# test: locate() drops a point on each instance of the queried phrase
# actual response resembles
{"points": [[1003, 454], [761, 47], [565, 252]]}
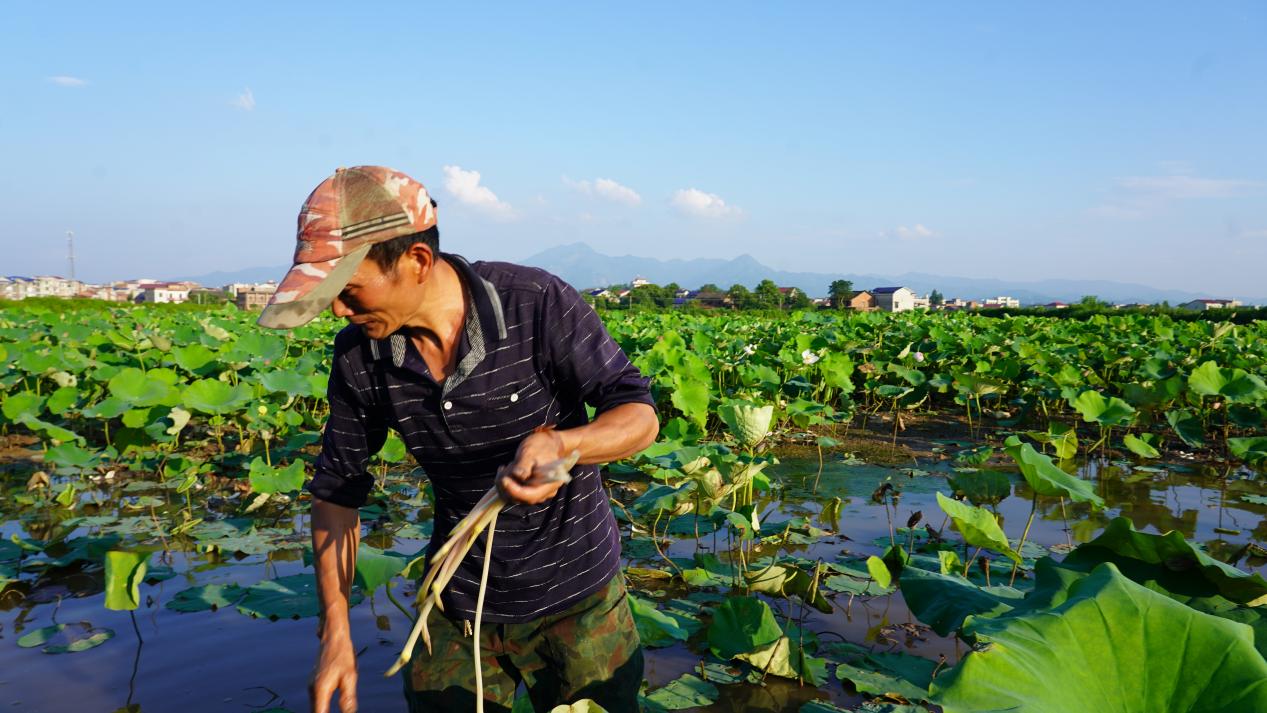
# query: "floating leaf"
{"points": [[77, 637], [740, 625], [687, 691], [206, 597], [1111, 640], [291, 597]]}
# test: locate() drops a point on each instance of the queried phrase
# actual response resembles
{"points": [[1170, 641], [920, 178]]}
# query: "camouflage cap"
{"points": [[346, 215]]}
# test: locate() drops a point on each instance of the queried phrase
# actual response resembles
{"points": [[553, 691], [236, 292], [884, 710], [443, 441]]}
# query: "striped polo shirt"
{"points": [[532, 354]]}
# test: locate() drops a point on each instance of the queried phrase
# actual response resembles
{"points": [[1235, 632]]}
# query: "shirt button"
{"points": [[514, 398], [448, 405]]}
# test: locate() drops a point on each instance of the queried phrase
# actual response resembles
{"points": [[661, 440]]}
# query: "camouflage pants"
{"points": [[589, 650]]}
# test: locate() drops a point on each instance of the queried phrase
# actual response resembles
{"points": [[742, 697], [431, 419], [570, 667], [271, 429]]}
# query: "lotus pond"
{"points": [[870, 512]]}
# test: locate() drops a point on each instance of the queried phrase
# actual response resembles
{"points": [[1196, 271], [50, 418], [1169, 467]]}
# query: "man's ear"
{"points": [[417, 262]]}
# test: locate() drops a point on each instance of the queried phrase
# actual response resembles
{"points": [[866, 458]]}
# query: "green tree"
{"points": [[740, 297], [710, 287], [767, 295], [936, 299], [840, 292]]}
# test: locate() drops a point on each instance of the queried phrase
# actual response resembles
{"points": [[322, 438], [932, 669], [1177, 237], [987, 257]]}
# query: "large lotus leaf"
{"points": [[982, 487], [192, 357], [837, 370], [62, 400], [1111, 643], [84, 549], [108, 408], [740, 625], [1251, 449], [688, 691], [205, 597], [883, 683], [271, 479], [748, 423], [139, 389], [1106, 412], [1046, 478], [787, 658], [1176, 564], [286, 382], [655, 628], [256, 345], [291, 597], [124, 572], [781, 580], [66, 638], [943, 601], [978, 526], [1232, 384], [72, 456], [1187, 427], [375, 567], [24, 404], [692, 399], [976, 385], [215, 397]]}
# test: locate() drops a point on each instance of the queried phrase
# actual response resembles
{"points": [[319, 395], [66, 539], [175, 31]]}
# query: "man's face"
{"points": [[376, 301]]}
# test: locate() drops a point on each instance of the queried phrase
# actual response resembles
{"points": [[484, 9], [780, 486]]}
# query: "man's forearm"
{"points": [[616, 433], [336, 533]]}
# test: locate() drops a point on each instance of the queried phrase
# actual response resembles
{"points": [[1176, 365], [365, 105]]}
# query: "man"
{"points": [[477, 366]]}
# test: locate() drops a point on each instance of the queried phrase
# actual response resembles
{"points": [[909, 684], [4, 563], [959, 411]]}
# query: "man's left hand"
{"points": [[521, 480]]}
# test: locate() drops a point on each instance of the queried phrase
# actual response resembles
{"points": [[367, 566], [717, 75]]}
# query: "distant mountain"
{"points": [[249, 274], [582, 266]]}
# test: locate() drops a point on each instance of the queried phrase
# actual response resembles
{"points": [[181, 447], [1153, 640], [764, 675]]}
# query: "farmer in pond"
{"points": [[477, 365]]}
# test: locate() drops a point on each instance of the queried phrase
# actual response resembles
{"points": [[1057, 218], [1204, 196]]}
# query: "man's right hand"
{"points": [[335, 671]]}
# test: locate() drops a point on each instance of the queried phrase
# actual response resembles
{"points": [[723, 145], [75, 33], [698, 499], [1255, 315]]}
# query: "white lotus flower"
{"points": [[749, 350], [809, 357], [919, 356]]}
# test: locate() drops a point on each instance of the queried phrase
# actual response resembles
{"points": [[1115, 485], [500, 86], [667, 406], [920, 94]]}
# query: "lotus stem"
{"points": [[1016, 565], [450, 555], [479, 611]]}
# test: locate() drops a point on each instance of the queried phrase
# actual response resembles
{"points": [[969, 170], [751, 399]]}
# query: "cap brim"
{"points": [[315, 298]]}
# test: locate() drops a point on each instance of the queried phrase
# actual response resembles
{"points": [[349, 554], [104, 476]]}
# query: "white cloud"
{"points": [[63, 80], [914, 232], [1144, 196], [465, 186], [244, 101], [605, 188], [692, 201]]}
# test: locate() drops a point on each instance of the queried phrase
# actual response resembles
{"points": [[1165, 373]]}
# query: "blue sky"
{"points": [[1011, 140]]}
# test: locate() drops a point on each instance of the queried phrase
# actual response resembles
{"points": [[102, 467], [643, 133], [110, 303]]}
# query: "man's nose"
{"points": [[340, 309]]}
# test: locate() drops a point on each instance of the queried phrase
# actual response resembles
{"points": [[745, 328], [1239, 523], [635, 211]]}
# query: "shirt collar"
{"points": [[486, 320]]}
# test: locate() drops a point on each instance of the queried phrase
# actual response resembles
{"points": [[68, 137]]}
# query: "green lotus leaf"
{"points": [[740, 625], [787, 658], [879, 571], [885, 684], [21, 405], [124, 573], [291, 597], [1187, 426], [62, 400], [655, 628], [978, 526], [1111, 640], [375, 567], [271, 479], [1232, 384], [687, 691], [138, 389], [943, 601], [692, 399], [72, 456], [192, 357], [286, 382], [1046, 478], [1106, 412], [982, 487], [1170, 560], [1139, 446], [1251, 450], [66, 638], [215, 397], [782, 580], [108, 408], [208, 597], [748, 423]]}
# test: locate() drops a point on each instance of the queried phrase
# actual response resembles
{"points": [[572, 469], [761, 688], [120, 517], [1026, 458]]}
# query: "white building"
{"points": [[894, 299], [1202, 305], [1002, 301], [163, 293], [640, 281]]}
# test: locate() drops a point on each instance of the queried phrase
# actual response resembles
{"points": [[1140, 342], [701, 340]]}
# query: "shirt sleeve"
{"points": [[583, 358], [354, 432]]}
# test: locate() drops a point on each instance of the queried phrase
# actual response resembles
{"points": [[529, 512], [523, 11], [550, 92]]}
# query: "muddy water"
{"points": [[160, 660]]}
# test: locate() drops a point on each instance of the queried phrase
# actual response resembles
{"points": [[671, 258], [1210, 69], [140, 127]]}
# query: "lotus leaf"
{"points": [[269, 479], [943, 601], [124, 573], [138, 389], [375, 567], [978, 526], [1110, 640], [79, 636], [655, 628], [1232, 384], [740, 625], [215, 397], [748, 423], [1106, 412], [291, 597], [1250, 450], [1046, 478], [687, 691]]}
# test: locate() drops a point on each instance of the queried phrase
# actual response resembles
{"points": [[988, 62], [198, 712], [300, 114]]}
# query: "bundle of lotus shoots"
{"points": [[450, 555]]}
